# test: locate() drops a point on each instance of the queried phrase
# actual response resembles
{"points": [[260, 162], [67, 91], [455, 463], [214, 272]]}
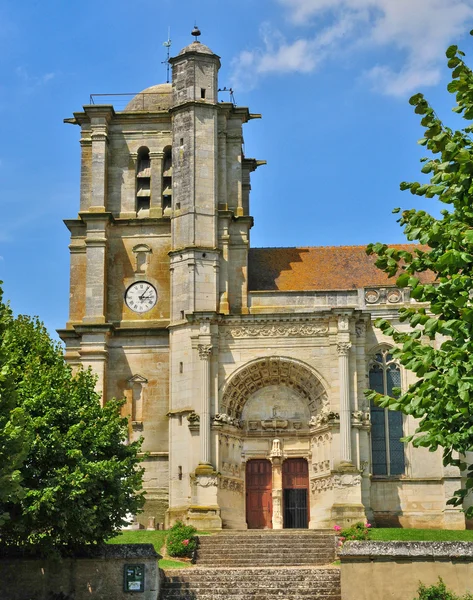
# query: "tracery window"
{"points": [[386, 425]]}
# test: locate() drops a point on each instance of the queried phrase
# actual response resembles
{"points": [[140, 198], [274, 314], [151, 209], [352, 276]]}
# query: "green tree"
{"points": [[80, 478], [15, 433], [442, 397]]}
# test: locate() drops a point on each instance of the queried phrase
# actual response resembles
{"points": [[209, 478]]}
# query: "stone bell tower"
{"points": [[208, 263]]}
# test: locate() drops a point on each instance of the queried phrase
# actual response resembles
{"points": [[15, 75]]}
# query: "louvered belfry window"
{"points": [[386, 425]]}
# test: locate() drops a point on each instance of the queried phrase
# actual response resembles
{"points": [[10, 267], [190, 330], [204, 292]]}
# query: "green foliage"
{"points": [[15, 431], [181, 540], [442, 397], [439, 592], [79, 478]]}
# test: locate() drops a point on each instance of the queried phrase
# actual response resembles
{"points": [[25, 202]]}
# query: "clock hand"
{"points": [[142, 295]]}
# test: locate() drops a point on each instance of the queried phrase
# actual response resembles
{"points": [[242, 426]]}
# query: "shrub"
{"points": [[181, 540], [358, 531], [439, 592]]}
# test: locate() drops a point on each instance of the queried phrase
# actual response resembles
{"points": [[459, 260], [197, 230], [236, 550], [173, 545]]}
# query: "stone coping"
{"points": [[419, 550], [105, 551]]}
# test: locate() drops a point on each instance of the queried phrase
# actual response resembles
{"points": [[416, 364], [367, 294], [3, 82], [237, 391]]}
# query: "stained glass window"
{"points": [[387, 450]]}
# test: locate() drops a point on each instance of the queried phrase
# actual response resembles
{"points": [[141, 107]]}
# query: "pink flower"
{"points": [[337, 527], [367, 524], [341, 538], [185, 542]]}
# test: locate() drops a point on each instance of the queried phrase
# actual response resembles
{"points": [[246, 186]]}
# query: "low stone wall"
{"points": [[393, 570], [97, 576]]}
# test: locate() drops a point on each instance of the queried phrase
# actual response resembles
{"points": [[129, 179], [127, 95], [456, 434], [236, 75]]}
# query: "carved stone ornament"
{"points": [[231, 468], [360, 329], [323, 418], [335, 482], [193, 417], [275, 424], [394, 296], [205, 351], [270, 330], [276, 450], [343, 348], [223, 418], [360, 416], [383, 296], [232, 485], [206, 480], [371, 296], [343, 323]]}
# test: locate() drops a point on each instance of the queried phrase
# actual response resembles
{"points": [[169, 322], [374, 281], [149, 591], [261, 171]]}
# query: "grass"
{"points": [[140, 536], [158, 539], [382, 534]]}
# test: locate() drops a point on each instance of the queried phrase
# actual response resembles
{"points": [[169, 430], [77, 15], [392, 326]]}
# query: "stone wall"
{"points": [[393, 570], [99, 576]]}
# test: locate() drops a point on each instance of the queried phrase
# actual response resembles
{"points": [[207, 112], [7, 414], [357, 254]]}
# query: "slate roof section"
{"points": [[317, 268]]}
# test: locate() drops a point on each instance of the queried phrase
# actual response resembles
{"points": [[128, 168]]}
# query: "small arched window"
{"points": [[387, 450], [143, 183]]}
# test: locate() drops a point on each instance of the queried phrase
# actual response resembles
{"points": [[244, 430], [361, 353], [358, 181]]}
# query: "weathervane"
{"points": [[167, 45]]}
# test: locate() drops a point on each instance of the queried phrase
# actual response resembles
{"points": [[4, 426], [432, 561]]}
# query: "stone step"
{"points": [[253, 593], [284, 594], [259, 566], [275, 563], [306, 584], [238, 573], [250, 575], [208, 550], [268, 543], [270, 537], [263, 560]]}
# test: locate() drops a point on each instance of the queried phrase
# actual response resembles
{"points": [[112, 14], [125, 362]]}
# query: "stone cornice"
{"points": [[96, 216], [193, 103], [194, 249]]}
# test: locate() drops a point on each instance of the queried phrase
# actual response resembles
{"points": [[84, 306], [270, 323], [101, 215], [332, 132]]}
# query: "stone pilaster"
{"points": [[100, 117], [156, 205], [94, 353], [96, 266]]}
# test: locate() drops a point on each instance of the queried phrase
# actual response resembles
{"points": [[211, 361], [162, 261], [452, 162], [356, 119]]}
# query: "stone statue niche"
{"points": [[275, 407]]}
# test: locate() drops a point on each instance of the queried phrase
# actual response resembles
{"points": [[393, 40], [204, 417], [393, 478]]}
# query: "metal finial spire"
{"points": [[167, 45], [196, 32]]}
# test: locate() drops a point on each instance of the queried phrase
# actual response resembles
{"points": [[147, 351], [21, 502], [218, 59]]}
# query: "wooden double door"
{"points": [[259, 493]]}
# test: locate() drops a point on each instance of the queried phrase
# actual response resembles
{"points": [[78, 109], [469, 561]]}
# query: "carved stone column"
{"points": [[205, 352], [277, 492], [343, 349]]}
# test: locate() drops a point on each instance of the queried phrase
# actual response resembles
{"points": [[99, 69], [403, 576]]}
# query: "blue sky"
{"points": [[332, 79]]}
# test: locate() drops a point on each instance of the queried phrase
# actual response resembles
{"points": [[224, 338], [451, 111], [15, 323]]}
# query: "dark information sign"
{"points": [[134, 578]]}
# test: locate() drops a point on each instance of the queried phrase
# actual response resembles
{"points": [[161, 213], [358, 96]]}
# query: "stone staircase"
{"points": [[259, 565]]}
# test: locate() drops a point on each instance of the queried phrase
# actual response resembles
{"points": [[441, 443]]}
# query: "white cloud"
{"points": [[33, 81], [417, 30], [278, 56]]}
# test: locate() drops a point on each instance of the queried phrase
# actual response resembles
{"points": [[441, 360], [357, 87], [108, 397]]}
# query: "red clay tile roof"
{"points": [[317, 268]]}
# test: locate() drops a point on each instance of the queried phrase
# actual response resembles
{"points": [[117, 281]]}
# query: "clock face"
{"points": [[141, 296]]}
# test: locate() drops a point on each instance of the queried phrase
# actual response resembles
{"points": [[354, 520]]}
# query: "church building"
{"points": [[243, 368]]}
